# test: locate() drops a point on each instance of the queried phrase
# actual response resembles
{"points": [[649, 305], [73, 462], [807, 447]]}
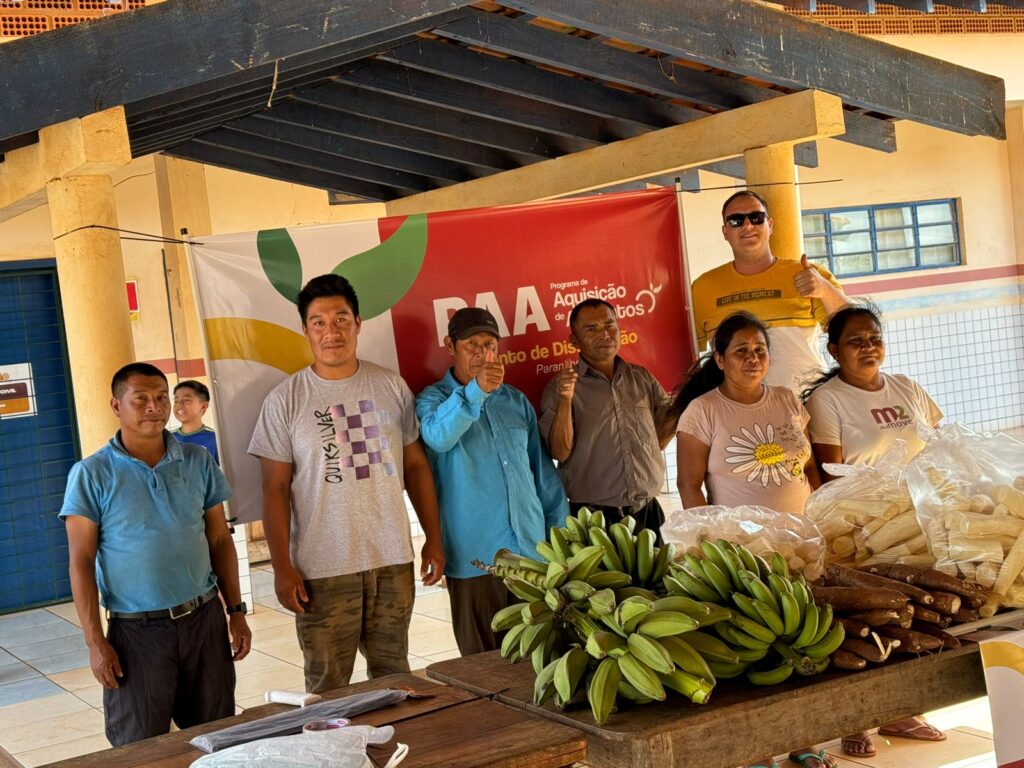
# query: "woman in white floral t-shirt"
{"points": [[744, 441]]}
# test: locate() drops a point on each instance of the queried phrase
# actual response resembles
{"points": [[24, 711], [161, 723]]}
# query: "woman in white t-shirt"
{"points": [[857, 412], [745, 441]]}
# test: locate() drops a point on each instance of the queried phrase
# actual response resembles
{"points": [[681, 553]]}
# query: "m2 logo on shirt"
{"points": [[891, 417]]}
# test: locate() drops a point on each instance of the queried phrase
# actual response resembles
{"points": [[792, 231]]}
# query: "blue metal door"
{"points": [[38, 441]]}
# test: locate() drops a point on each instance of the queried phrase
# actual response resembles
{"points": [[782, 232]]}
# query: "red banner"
{"points": [[530, 265]]}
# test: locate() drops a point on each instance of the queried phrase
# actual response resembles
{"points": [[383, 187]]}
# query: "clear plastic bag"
{"points": [[340, 748], [866, 514], [759, 529], [968, 490]]}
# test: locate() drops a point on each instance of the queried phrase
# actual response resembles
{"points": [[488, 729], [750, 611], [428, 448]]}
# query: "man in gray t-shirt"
{"points": [[338, 443]]}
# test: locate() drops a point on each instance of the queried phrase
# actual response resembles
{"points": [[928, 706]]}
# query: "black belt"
{"points": [[627, 510], [175, 612]]}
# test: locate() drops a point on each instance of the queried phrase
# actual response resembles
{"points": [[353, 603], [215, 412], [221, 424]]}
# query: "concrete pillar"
{"points": [[95, 306], [773, 167], [1015, 160], [184, 204]]}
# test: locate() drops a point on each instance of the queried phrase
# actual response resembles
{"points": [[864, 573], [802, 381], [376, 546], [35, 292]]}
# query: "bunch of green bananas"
{"points": [[621, 552], [595, 621], [606, 615], [775, 629]]}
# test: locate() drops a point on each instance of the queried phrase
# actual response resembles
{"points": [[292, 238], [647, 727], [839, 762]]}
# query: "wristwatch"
{"points": [[240, 608]]}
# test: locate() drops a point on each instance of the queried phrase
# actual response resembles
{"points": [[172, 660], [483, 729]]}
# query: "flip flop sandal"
{"points": [[910, 733], [868, 748], [772, 764], [803, 759]]}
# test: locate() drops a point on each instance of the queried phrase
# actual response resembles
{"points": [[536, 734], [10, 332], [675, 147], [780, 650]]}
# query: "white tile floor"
{"points": [[51, 707]]}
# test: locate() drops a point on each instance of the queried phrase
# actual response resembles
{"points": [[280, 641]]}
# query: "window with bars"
{"points": [[877, 239]]}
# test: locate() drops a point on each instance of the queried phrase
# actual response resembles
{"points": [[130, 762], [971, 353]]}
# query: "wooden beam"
{"points": [[864, 6], [90, 146], [257, 90], [583, 95], [171, 46], [345, 97], [509, 76], [759, 41], [281, 171], [354, 149], [598, 61], [259, 146], [978, 6], [17, 142], [795, 118], [282, 76], [412, 85], [658, 76], [924, 6], [479, 158], [395, 87]]}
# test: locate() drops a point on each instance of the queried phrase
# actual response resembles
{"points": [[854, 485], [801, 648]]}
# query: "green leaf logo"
{"points": [[381, 275], [280, 261]]}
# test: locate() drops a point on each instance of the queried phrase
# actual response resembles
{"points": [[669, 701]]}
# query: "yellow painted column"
{"points": [[772, 173], [184, 204], [1015, 158], [95, 306]]}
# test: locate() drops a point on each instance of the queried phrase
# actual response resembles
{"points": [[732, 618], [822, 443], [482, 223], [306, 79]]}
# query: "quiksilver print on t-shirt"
{"points": [[353, 442]]}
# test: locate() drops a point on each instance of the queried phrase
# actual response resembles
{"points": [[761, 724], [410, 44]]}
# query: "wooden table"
{"points": [[742, 723], [455, 728]]}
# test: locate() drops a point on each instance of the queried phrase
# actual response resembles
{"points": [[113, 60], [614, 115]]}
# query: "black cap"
{"points": [[470, 321]]}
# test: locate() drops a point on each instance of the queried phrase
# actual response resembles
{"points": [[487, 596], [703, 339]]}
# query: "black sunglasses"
{"points": [[735, 220]]}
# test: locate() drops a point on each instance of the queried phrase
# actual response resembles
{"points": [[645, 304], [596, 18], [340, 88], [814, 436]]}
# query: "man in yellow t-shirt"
{"points": [[793, 298]]}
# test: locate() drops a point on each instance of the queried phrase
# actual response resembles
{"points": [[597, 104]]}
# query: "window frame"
{"points": [[915, 228]]}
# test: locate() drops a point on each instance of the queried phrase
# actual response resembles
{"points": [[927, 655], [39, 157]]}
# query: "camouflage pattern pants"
{"points": [[370, 611]]}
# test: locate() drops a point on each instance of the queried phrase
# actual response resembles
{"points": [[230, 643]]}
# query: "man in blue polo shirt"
{"points": [[496, 485], [147, 536]]}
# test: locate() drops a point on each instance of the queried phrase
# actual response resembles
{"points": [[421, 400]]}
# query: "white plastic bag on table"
{"points": [[759, 529], [866, 514], [339, 748], [968, 490]]}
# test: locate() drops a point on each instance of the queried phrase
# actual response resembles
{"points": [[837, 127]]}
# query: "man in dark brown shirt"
{"points": [[606, 422]]}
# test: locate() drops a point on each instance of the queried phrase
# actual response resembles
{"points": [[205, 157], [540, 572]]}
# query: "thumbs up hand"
{"points": [[492, 374], [808, 281]]}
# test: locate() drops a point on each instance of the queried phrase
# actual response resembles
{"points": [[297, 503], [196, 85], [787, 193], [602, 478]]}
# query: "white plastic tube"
{"points": [[295, 698]]}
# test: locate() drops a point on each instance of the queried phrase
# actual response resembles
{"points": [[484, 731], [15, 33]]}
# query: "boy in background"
{"points": [[191, 399]]}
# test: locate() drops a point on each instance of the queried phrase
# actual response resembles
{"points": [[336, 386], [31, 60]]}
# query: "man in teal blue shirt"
{"points": [[147, 537], [496, 484]]}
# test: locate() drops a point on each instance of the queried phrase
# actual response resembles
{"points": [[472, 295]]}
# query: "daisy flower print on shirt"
{"points": [[759, 454]]}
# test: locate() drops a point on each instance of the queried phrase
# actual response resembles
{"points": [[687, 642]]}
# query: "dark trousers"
{"points": [[174, 669], [650, 515], [474, 602]]}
